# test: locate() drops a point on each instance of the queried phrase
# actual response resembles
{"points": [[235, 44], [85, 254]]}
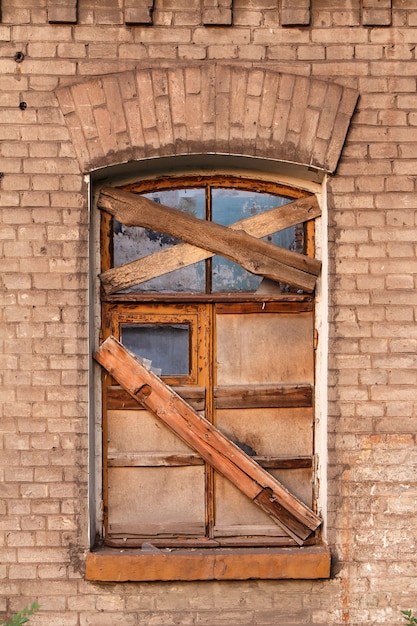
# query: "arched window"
{"points": [[207, 308]]}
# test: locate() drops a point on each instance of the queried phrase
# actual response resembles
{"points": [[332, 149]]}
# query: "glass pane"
{"points": [[166, 346], [133, 242], [230, 206]]}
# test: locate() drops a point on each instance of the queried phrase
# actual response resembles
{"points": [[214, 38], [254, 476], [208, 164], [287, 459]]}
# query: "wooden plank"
{"points": [[185, 254], [182, 255], [209, 564], [125, 528], [258, 396], [118, 398], [204, 542], [141, 459], [257, 484], [264, 307], [223, 531], [272, 463], [257, 257]]}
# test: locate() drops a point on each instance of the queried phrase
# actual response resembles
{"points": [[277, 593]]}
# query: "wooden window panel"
{"points": [[272, 348], [117, 398], [288, 512], [150, 501], [304, 209], [258, 257], [237, 516], [269, 432], [277, 405]]}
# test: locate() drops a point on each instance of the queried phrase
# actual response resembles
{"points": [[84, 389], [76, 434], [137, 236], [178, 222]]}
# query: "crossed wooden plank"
{"points": [[216, 449], [239, 242]]}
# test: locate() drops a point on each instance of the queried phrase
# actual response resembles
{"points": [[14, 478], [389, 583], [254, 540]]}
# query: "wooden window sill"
{"points": [[116, 565]]}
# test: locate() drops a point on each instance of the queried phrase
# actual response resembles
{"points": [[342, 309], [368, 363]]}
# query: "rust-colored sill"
{"points": [[115, 565]]}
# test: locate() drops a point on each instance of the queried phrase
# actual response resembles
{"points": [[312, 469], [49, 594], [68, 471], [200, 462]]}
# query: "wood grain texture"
{"points": [[256, 256], [209, 564], [252, 396], [286, 510]]}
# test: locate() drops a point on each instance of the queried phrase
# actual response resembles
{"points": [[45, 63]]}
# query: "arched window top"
{"points": [[208, 234]]}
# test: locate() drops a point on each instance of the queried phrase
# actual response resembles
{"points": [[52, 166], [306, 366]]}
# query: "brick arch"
{"points": [[218, 109]]}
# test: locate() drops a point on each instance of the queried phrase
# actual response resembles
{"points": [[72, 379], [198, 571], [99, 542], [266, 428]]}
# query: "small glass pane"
{"points": [[134, 242], [230, 206], [166, 346]]}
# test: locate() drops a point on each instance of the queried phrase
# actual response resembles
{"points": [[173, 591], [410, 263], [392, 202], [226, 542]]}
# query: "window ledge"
{"points": [[112, 564]]}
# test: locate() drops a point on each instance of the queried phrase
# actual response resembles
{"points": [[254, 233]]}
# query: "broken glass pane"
{"points": [[161, 346], [233, 205], [134, 242]]}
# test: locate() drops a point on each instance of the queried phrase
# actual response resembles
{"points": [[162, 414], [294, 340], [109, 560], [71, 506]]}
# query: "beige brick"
{"points": [[22, 571]]}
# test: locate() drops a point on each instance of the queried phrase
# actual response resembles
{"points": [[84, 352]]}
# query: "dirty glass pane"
{"points": [[133, 242], [233, 205], [166, 347]]}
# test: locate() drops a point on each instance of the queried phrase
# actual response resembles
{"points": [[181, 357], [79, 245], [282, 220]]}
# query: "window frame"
{"points": [[320, 562]]}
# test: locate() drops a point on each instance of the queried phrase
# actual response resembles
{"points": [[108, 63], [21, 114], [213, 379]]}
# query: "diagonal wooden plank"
{"points": [[185, 254], [224, 456]]}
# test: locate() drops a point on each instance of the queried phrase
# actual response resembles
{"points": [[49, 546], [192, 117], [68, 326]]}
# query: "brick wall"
{"points": [[365, 46]]}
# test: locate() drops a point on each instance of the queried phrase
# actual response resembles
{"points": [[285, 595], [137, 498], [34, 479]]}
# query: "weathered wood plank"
{"points": [[284, 508], [154, 459], [242, 297], [198, 542], [209, 564], [227, 396], [142, 459], [259, 396], [264, 307], [301, 462], [185, 254], [185, 528], [118, 398], [256, 256]]}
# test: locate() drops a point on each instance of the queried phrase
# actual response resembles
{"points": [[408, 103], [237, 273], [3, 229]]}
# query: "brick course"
{"points": [[81, 79]]}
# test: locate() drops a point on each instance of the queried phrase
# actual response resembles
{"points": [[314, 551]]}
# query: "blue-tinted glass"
{"points": [[165, 345], [230, 206], [133, 242]]}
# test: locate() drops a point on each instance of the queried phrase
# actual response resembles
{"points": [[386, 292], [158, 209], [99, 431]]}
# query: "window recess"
{"points": [[208, 374]]}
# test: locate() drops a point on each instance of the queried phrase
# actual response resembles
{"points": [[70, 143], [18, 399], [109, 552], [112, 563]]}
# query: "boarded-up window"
{"points": [[209, 284]]}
